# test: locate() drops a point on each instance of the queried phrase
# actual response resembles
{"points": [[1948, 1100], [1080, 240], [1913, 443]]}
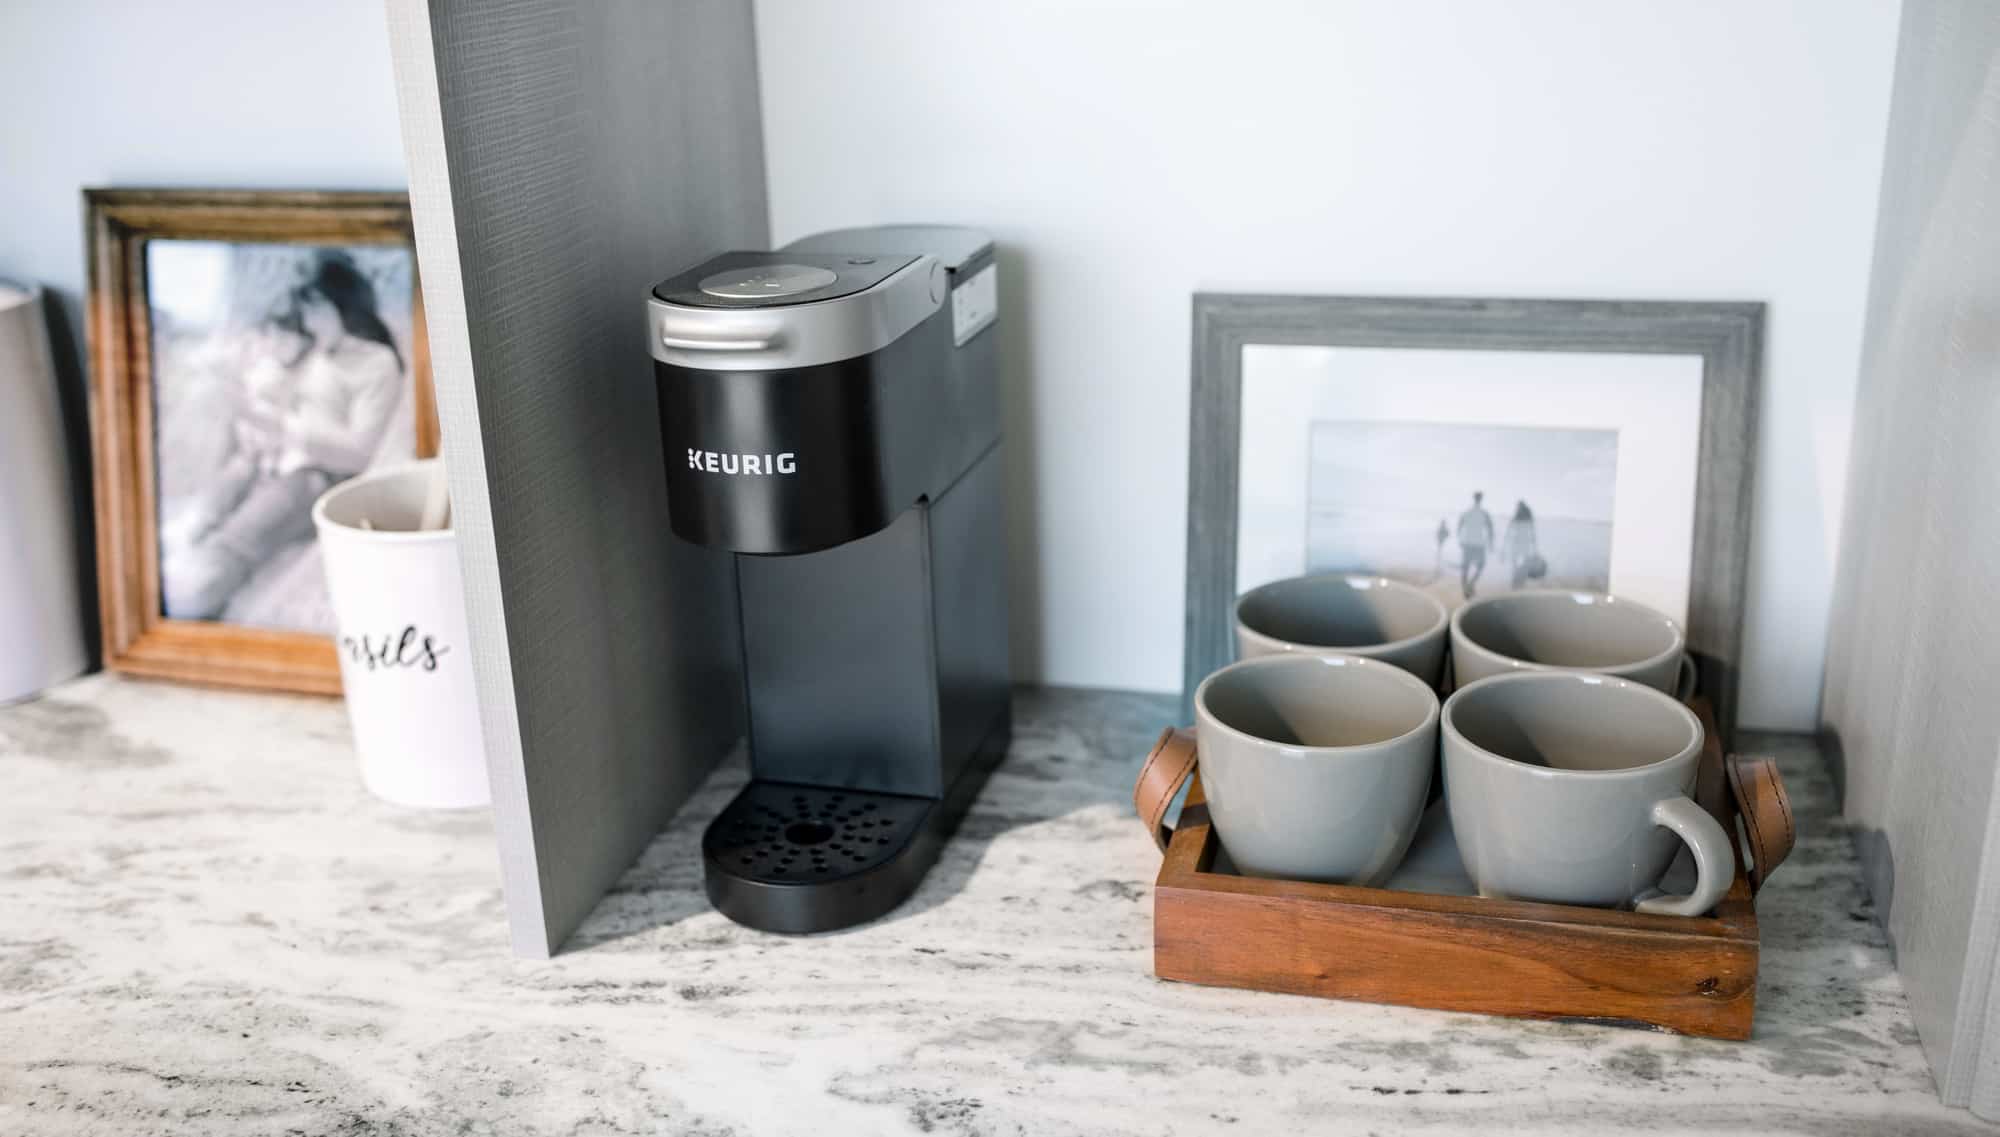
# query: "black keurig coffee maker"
{"points": [[831, 414]]}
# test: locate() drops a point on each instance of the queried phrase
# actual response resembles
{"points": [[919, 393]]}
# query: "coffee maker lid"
{"points": [[964, 251], [767, 280], [777, 311]]}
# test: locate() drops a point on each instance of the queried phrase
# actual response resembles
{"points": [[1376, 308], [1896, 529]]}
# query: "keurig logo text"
{"points": [[716, 462]]}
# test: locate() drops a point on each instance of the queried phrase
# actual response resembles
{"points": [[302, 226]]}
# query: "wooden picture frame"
{"points": [[137, 637], [1727, 337]]}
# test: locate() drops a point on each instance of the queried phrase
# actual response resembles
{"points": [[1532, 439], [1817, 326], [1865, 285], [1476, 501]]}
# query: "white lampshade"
{"points": [[41, 624]]}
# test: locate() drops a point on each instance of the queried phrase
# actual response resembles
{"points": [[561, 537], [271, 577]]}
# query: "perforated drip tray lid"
{"points": [[779, 833]]}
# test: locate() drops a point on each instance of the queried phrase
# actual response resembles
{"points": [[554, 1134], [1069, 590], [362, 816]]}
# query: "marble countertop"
{"points": [[206, 926]]}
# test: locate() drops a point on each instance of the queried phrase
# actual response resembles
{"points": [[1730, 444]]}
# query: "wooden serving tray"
{"points": [[1691, 975]]}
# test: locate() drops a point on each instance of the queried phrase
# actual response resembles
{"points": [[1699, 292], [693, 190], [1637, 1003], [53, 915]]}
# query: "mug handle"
{"points": [[1684, 687], [1714, 857]]}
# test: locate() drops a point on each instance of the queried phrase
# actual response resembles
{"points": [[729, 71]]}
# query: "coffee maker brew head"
{"points": [[806, 398]]}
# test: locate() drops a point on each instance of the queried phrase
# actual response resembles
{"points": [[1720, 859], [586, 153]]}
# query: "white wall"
{"points": [[212, 93], [1128, 154]]}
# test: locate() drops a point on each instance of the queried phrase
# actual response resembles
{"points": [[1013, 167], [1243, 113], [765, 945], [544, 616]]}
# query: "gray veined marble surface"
{"points": [[206, 926]]}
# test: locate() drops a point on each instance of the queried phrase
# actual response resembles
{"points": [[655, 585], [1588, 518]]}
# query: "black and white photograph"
{"points": [[1443, 468], [279, 371], [1464, 510]]}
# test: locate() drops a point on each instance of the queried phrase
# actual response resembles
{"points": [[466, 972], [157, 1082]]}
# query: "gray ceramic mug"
{"points": [[1316, 767], [1369, 616], [1575, 789], [1569, 631]]}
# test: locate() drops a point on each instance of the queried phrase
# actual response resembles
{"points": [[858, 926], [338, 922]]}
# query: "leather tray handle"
{"points": [[1766, 812], [1168, 765]]}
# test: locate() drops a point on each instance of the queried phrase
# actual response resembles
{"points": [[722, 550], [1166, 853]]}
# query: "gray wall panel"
{"points": [[564, 154], [1912, 645]]}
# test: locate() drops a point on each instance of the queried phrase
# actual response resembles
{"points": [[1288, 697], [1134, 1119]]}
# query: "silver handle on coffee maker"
{"points": [[696, 343]]}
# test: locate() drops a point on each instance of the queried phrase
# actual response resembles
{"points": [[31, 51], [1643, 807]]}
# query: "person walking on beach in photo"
{"points": [[1443, 535], [1475, 534], [1517, 545]]}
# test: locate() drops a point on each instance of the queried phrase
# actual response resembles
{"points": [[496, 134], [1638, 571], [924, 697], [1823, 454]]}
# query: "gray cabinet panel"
{"points": [[1912, 641], [564, 155]]}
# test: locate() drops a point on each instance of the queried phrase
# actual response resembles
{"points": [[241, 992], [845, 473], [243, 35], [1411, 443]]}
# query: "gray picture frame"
{"points": [[1727, 336]]}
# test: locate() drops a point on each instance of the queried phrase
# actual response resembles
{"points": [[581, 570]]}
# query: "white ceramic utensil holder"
{"points": [[399, 607]]}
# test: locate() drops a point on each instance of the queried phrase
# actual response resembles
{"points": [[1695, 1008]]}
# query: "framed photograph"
{"points": [[1475, 447], [248, 350]]}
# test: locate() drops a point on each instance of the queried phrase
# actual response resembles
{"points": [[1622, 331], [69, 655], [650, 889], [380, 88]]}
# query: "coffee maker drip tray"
{"points": [[795, 858]]}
